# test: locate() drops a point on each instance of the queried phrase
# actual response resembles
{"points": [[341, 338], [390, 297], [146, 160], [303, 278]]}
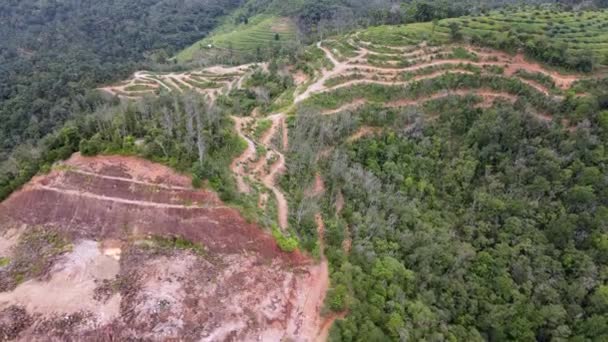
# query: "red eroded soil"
{"points": [[242, 288], [108, 205]]}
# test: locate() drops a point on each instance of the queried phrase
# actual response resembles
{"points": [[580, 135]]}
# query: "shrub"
{"points": [[285, 243]]}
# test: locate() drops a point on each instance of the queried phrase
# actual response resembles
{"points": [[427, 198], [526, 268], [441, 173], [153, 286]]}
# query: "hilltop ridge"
{"points": [[395, 182]]}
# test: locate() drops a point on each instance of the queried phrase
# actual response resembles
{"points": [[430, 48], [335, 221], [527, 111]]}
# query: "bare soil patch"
{"points": [[115, 284]]}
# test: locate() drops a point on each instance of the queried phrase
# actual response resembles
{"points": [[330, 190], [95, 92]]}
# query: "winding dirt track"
{"points": [[492, 58], [269, 181], [318, 189], [404, 83], [338, 69], [248, 155], [249, 166], [225, 78], [244, 163], [486, 94], [348, 65]]}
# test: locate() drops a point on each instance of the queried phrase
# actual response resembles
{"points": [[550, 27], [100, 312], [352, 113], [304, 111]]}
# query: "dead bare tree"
{"points": [[195, 111]]}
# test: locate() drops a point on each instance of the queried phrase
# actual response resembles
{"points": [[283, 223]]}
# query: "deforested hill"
{"points": [[443, 179]]}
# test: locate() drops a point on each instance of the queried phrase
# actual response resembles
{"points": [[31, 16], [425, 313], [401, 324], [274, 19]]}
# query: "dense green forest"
{"points": [[53, 53], [478, 225]]}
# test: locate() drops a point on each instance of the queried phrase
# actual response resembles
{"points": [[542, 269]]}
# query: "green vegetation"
{"points": [[54, 53], [382, 94], [312, 60], [285, 243], [261, 89], [178, 130], [253, 38], [342, 79], [462, 53], [542, 79], [463, 219], [571, 40], [386, 61], [574, 40], [411, 34], [408, 75], [445, 223], [205, 149], [341, 48], [261, 127]]}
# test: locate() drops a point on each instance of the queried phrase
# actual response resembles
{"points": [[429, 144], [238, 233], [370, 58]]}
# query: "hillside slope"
{"points": [[52, 53], [437, 188], [251, 40], [130, 250]]}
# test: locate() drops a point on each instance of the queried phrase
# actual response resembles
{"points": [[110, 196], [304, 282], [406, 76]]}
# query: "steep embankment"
{"points": [[146, 256]]}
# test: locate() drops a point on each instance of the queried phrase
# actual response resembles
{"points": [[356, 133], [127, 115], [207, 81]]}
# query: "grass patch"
{"points": [[412, 34], [260, 32], [164, 244], [261, 127], [285, 243], [408, 75], [340, 49], [334, 81], [201, 85], [538, 77], [462, 53]]}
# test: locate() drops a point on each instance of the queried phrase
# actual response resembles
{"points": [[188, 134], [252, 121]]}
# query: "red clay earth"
{"points": [[113, 284]]}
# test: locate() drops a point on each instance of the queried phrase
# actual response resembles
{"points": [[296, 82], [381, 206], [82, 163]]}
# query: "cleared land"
{"points": [[357, 78], [209, 82], [374, 71], [131, 250]]}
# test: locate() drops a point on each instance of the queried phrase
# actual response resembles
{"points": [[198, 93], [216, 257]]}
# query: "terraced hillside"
{"points": [[365, 72], [119, 247], [209, 82], [259, 33], [408, 139], [397, 157], [369, 89], [579, 31], [565, 39]]}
